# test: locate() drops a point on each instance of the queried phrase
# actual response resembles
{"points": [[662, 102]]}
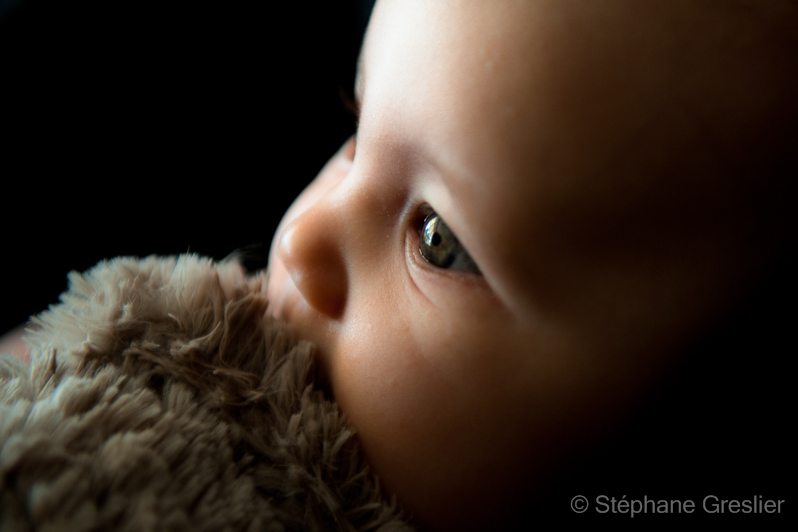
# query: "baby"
{"points": [[550, 210], [546, 204]]}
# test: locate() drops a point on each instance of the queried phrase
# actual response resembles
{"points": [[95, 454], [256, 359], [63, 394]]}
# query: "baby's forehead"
{"points": [[581, 128]]}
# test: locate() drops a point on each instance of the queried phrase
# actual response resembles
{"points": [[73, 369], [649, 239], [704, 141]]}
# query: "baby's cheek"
{"points": [[378, 384], [438, 420], [401, 418]]}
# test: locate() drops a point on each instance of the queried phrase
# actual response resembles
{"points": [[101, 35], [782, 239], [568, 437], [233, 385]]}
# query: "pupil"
{"points": [[436, 239]]}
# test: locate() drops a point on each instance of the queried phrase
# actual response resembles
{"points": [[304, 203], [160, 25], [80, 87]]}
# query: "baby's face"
{"points": [[519, 238]]}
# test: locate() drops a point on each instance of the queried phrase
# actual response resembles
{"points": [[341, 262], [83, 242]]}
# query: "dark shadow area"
{"points": [[718, 429]]}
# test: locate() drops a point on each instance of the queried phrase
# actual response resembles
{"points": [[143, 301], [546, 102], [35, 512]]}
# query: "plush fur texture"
{"points": [[158, 397]]}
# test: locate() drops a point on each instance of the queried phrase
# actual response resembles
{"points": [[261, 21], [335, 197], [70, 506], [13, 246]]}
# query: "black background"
{"points": [[138, 128]]}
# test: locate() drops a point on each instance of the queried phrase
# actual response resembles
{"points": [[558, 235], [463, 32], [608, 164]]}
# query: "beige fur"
{"points": [[158, 397]]}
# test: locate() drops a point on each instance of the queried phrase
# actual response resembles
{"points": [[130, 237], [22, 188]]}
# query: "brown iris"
{"points": [[438, 243]]}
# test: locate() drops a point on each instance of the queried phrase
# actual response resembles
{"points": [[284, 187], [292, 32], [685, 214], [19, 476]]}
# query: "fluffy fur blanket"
{"points": [[159, 398]]}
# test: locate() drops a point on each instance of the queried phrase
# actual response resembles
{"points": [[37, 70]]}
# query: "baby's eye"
{"points": [[441, 248]]}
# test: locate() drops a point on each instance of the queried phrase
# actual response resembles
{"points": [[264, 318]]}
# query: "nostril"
{"points": [[309, 250]]}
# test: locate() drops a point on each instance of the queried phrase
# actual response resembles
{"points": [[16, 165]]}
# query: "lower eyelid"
{"points": [[415, 269]]}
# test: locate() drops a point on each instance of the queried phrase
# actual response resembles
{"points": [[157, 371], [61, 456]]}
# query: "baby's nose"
{"points": [[311, 252]]}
